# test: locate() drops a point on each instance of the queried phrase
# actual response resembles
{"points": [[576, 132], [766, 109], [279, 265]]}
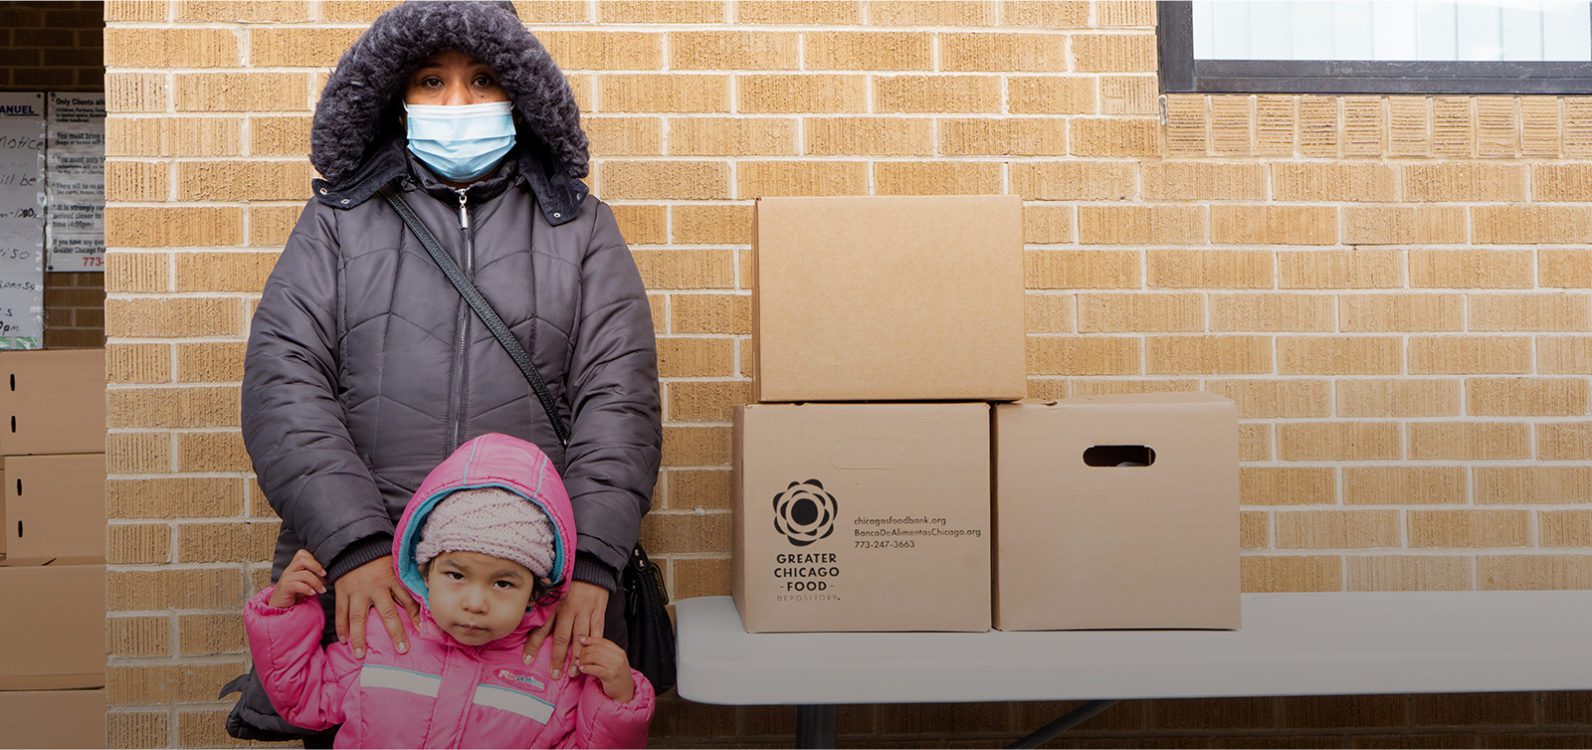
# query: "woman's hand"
{"points": [[372, 585], [304, 577], [606, 661], [579, 615]]}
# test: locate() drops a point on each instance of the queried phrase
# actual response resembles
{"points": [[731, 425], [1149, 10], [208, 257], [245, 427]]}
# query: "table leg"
{"points": [[815, 726], [1069, 720]]}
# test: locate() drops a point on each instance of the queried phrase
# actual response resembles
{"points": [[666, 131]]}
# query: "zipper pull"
{"points": [[464, 213]]}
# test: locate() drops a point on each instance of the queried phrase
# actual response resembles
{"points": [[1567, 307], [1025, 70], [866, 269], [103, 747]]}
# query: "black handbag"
{"points": [[647, 618], [651, 632]]}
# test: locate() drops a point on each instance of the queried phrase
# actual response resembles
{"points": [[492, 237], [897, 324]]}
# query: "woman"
{"points": [[365, 367]]}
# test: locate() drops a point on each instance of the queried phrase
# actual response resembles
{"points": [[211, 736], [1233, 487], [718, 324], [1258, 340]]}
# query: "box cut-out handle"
{"points": [[1135, 456]]}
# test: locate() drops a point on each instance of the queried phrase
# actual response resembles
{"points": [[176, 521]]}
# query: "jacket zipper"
{"points": [[464, 322]]}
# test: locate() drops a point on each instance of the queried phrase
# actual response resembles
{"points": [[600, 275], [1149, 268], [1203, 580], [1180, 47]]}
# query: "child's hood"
{"points": [[492, 460]]}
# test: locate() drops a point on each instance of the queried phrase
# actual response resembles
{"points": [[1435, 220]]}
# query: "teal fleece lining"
{"points": [[409, 570]]}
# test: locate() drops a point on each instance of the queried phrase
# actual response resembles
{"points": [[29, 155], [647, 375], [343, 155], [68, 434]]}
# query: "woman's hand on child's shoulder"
{"points": [[304, 577], [606, 661]]}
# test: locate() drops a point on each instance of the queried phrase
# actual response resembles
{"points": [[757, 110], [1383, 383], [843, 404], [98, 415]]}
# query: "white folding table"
{"points": [[1290, 644]]}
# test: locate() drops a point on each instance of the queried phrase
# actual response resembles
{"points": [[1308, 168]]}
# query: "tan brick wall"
{"points": [[57, 46], [1394, 289]]}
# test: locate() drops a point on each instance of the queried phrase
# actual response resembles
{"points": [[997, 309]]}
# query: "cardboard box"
{"points": [[888, 299], [52, 718], [52, 401], [862, 517], [1117, 512], [52, 636], [54, 506]]}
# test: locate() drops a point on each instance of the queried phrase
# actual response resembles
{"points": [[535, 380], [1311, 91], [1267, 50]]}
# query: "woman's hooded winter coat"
{"points": [[365, 368], [443, 693]]}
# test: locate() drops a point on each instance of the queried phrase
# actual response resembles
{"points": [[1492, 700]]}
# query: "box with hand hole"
{"points": [[52, 402], [54, 507], [1117, 512]]}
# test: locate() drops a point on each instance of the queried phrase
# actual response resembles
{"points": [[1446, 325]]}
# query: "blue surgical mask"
{"points": [[460, 142]]}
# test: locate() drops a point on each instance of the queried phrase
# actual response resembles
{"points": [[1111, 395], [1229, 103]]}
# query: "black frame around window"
{"points": [[1181, 73]]}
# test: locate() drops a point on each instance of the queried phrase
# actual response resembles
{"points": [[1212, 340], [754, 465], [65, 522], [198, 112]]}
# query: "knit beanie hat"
{"points": [[491, 521]]}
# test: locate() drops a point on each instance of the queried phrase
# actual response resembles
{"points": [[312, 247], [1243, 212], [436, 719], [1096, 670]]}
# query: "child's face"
{"points": [[478, 598]]}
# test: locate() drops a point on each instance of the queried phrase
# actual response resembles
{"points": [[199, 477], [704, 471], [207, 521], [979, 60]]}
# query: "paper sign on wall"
{"points": [[75, 189], [22, 142]]}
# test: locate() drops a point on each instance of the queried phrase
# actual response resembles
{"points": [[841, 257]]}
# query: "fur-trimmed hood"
{"points": [[359, 108]]}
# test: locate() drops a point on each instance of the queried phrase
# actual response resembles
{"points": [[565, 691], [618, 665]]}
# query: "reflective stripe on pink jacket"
{"points": [[444, 693]]}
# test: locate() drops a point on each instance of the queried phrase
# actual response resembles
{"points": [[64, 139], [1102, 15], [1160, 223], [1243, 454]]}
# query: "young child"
{"points": [[486, 546]]}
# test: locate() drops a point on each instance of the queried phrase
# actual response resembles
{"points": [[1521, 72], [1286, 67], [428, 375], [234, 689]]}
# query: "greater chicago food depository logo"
{"points": [[805, 512]]}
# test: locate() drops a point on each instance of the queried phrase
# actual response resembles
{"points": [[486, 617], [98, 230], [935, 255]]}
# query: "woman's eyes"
{"points": [[503, 584], [435, 83], [454, 575]]}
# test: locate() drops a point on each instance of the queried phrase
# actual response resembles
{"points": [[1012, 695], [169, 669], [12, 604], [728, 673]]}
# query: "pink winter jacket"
{"points": [[444, 693]]}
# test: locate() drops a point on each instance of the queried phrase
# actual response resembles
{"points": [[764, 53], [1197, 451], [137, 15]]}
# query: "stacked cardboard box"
{"points": [[876, 490], [882, 328], [52, 575]]}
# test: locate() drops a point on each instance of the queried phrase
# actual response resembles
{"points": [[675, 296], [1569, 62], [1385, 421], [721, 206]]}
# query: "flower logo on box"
{"points": [[805, 512]]}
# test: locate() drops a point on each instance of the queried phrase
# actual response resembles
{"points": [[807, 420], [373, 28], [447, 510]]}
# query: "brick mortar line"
{"points": [[183, 295], [196, 659], [1231, 332], [176, 613], [114, 341], [242, 161], [1306, 421], [660, 29], [170, 386], [318, 70], [1276, 510], [228, 565], [175, 525]]}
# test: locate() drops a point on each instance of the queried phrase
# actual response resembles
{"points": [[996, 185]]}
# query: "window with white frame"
{"points": [[1376, 46]]}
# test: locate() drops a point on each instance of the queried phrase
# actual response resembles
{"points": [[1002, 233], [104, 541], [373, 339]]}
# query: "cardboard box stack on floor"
{"points": [[875, 489], [882, 327], [52, 576]]}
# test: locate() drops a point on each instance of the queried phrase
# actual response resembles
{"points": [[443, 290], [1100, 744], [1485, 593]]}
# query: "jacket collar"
{"points": [[559, 195], [505, 175]]}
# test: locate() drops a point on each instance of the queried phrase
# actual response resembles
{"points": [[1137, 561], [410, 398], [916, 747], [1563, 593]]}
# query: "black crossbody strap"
{"points": [[482, 308]]}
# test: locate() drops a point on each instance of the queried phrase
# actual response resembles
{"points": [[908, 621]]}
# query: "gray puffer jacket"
{"points": [[365, 368]]}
